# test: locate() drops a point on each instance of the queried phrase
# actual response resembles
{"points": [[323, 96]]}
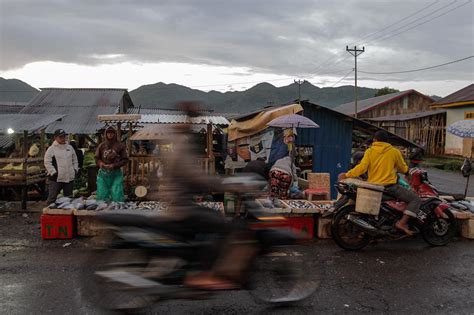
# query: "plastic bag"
{"points": [[402, 182]]}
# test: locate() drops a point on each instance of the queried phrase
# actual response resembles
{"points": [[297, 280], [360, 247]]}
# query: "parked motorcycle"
{"points": [[352, 230], [148, 259]]}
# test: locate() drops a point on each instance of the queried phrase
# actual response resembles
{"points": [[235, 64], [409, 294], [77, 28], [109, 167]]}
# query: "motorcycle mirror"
{"points": [[466, 168]]}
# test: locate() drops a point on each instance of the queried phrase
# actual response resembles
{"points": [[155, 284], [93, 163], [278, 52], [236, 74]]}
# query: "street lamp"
{"points": [[10, 131]]}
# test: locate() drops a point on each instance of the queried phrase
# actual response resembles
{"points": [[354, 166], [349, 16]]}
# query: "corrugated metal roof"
{"points": [[363, 105], [180, 119], [463, 95], [169, 111], [408, 116], [166, 111], [11, 107], [28, 122], [81, 107], [6, 141]]}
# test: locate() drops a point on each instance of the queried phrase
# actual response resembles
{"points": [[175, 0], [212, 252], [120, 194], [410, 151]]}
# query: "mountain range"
{"points": [[14, 91], [161, 95]]}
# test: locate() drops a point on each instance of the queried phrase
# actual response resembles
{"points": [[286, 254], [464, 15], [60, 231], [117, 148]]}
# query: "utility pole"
{"points": [[299, 82], [355, 52]]}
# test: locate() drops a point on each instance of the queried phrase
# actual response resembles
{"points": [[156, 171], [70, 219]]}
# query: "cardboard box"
{"points": [[57, 226], [324, 228], [89, 225], [467, 229]]}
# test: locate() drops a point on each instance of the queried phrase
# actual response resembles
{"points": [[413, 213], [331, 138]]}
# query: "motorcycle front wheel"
{"points": [[439, 231], [109, 295], [345, 233], [279, 277]]}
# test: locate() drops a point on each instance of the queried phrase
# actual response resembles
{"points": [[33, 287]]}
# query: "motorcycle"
{"points": [[352, 230], [147, 260]]}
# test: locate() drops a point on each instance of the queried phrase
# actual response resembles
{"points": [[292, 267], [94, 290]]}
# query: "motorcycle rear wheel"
{"points": [[346, 234], [439, 231]]}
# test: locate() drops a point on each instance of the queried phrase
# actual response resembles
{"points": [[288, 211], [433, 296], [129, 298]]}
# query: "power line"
{"points": [[390, 34], [371, 34], [382, 38], [414, 21], [395, 23], [347, 74], [420, 69]]}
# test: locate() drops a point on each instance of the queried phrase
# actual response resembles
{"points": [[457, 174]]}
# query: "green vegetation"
{"points": [[444, 163], [385, 90]]}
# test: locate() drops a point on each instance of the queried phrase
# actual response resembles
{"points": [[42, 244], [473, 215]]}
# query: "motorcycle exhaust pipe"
{"points": [[364, 226]]}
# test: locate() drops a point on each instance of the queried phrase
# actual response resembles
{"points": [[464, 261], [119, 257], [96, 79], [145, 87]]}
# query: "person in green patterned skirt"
{"points": [[111, 156]]}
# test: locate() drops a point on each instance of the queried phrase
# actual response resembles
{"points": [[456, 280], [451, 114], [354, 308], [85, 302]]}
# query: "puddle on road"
{"points": [[13, 245]]}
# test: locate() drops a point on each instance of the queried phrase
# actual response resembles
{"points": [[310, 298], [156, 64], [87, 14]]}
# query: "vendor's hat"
{"points": [[59, 132]]}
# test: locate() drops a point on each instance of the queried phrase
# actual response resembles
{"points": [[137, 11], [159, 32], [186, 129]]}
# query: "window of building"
{"points": [[468, 115], [405, 102]]}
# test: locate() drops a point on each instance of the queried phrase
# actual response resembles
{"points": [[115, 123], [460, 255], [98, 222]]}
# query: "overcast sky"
{"points": [[232, 44]]}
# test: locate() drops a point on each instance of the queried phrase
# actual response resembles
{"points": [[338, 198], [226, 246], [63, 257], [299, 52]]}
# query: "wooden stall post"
{"points": [[210, 151], [42, 142], [129, 165], [24, 188]]}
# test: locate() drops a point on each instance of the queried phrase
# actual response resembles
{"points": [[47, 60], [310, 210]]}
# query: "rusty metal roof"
{"points": [[410, 116], [462, 96], [81, 107], [27, 122], [367, 104]]}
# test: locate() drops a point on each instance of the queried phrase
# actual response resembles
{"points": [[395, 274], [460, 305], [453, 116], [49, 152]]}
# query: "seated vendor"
{"points": [[282, 177]]}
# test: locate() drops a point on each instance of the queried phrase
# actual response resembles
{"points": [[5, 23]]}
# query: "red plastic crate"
{"points": [[303, 226], [57, 226]]}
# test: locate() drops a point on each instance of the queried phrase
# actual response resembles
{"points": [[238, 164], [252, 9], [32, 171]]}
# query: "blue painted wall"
{"points": [[331, 142]]}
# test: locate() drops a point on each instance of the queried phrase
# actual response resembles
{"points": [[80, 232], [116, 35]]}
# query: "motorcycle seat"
{"points": [[387, 197]]}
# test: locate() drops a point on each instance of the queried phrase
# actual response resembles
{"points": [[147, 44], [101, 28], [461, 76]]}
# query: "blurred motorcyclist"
{"points": [[182, 180]]}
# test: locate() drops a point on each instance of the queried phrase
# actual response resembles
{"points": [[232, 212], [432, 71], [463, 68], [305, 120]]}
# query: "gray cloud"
{"points": [[298, 38]]}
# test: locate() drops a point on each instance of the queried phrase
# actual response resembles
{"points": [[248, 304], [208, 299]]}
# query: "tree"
{"points": [[385, 90]]}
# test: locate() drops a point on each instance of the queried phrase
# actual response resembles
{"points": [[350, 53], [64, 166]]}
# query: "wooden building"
{"points": [[407, 114], [405, 102], [426, 128], [458, 105]]}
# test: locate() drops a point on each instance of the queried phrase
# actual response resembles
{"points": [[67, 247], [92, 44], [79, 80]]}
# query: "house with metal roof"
{"points": [[407, 114], [458, 105], [80, 106]]}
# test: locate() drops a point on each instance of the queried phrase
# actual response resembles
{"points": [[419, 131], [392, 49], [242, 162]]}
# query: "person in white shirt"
{"points": [[61, 164]]}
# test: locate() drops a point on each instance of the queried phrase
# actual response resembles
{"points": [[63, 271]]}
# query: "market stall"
{"points": [[148, 136], [24, 169]]}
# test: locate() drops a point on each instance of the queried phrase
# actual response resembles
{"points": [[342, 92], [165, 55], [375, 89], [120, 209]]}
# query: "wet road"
{"points": [[42, 277], [450, 182]]}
